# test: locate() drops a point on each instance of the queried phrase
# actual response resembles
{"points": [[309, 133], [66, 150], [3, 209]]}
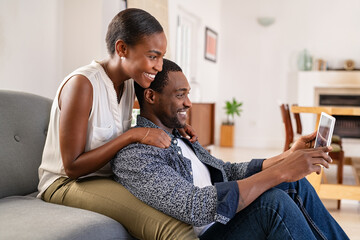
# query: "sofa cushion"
{"points": [[30, 218], [24, 119]]}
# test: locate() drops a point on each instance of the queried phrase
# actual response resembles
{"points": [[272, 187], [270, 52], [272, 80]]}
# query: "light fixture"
{"points": [[265, 21]]}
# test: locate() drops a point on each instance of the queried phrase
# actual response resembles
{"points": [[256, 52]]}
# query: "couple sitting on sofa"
{"points": [[184, 185], [253, 200]]}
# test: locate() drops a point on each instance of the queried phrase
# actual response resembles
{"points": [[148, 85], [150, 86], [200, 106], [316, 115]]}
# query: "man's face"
{"points": [[173, 102]]}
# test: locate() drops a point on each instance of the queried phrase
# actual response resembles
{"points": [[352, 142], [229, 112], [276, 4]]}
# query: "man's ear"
{"points": [[121, 48], [149, 96]]}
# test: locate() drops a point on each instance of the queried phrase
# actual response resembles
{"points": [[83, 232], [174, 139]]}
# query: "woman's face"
{"points": [[144, 60]]}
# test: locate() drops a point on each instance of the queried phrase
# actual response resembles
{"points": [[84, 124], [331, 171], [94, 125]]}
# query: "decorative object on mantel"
{"points": [[266, 21], [227, 128], [320, 65], [305, 61], [349, 65], [210, 44]]}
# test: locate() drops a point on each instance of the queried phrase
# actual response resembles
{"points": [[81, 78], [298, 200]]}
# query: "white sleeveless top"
{"points": [[108, 119]]}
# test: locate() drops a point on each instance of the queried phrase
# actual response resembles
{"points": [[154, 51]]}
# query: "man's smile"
{"points": [[182, 113]]}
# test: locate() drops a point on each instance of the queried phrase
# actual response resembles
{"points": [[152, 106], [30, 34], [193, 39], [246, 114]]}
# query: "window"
{"points": [[187, 51]]}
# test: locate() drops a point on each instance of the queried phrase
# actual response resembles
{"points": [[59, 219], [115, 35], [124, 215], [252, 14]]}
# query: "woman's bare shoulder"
{"points": [[77, 90]]}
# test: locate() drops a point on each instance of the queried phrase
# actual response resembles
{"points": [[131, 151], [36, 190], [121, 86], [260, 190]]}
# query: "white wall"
{"points": [[84, 30], [42, 41], [29, 42], [258, 64]]}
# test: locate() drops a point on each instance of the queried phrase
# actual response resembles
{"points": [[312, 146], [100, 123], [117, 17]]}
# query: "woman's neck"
{"points": [[116, 75], [115, 72]]}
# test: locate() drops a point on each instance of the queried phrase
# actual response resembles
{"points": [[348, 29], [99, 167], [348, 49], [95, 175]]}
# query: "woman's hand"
{"points": [[303, 142], [189, 133], [151, 136]]}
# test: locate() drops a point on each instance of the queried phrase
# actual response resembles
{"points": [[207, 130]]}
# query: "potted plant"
{"points": [[232, 108]]}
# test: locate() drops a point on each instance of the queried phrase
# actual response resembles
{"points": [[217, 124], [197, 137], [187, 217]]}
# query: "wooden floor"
{"points": [[348, 216]]}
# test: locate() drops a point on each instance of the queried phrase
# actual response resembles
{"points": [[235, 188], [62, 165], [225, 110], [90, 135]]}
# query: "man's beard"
{"points": [[175, 123]]}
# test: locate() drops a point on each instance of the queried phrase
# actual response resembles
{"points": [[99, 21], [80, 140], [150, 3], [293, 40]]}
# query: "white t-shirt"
{"points": [[108, 119], [200, 173]]}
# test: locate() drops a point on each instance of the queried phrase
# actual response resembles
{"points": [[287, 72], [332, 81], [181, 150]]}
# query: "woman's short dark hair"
{"points": [[160, 81], [131, 25]]}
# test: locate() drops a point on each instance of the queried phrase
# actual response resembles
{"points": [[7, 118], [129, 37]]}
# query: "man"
{"points": [[254, 200]]}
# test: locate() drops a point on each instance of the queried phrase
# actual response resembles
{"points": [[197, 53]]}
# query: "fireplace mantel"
{"points": [[313, 83]]}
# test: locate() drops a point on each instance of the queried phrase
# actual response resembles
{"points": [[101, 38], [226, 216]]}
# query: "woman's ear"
{"points": [[149, 96], [121, 48]]}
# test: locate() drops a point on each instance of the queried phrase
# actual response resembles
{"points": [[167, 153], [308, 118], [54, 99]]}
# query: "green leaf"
{"points": [[233, 107]]}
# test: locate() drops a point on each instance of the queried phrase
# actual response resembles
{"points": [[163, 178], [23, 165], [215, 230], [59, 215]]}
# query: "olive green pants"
{"points": [[105, 196]]}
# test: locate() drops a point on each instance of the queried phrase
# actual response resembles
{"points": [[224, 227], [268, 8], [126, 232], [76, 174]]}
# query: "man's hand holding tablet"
{"points": [[325, 130]]}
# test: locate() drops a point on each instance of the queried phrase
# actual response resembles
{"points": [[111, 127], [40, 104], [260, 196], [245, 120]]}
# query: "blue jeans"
{"points": [[287, 211]]}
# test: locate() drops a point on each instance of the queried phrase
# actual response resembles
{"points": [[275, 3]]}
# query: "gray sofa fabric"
{"points": [[24, 120], [36, 219]]}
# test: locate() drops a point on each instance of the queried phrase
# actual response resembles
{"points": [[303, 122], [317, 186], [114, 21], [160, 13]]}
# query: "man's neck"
{"points": [[151, 117]]}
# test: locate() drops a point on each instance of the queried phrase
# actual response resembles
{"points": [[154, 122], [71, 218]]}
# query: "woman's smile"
{"points": [[150, 76]]}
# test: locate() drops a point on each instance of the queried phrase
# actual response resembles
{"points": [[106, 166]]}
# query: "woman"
{"points": [[90, 121]]}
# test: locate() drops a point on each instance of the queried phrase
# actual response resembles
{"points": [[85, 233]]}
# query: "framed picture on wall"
{"points": [[210, 44]]}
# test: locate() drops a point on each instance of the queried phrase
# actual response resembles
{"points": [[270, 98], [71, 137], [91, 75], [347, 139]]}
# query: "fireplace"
{"points": [[339, 100], [345, 126], [340, 88]]}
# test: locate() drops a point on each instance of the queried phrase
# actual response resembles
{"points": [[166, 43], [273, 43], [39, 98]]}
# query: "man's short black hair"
{"points": [[160, 81]]}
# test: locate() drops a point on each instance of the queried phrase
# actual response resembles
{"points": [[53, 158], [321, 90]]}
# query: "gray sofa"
{"points": [[23, 122]]}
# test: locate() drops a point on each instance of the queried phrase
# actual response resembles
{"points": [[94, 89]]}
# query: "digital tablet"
{"points": [[325, 130]]}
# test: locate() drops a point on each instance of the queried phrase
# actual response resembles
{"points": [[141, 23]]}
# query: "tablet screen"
{"points": [[325, 130]]}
